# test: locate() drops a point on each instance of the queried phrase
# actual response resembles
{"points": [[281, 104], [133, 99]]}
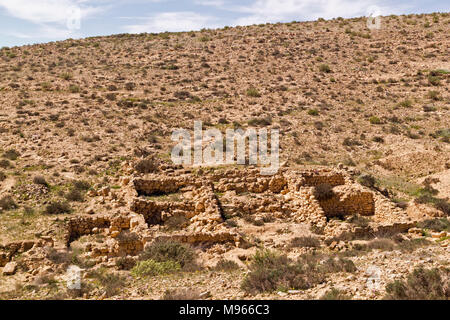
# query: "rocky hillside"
{"points": [[362, 199]]}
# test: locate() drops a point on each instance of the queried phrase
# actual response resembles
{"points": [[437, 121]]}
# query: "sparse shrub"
{"points": [[11, 154], [412, 245], [382, 244], [434, 95], [324, 68], [305, 242], [148, 165], [333, 265], [349, 142], [176, 222], [421, 284], [405, 103], [335, 294], [429, 108], [40, 180], [2, 176], [112, 283], [260, 121], [110, 96], [153, 268], [59, 257], [271, 271], [130, 86], [367, 180], [167, 250], [443, 205], [313, 112], [74, 195], [181, 294], [125, 263], [434, 79], [226, 265], [57, 207], [438, 225], [374, 120], [7, 203], [66, 76], [323, 192], [81, 185], [358, 221], [253, 92], [74, 88]]}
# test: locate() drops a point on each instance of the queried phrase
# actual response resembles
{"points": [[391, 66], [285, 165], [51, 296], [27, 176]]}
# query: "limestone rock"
{"points": [[9, 269]]}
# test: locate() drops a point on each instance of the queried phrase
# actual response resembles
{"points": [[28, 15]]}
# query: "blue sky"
{"points": [[35, 21]]}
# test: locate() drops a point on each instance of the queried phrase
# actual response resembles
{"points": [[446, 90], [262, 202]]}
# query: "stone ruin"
{"points": [[203, 202]]}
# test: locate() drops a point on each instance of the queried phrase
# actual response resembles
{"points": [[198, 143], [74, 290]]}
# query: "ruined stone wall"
{"points": [[313, 180], [360, 202], [80, 226], [152, 211], [9, 250], [162, 185]]}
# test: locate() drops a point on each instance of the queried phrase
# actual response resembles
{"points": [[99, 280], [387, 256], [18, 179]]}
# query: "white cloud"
{"points": [[173, 22], [262, 11], [44, 11], [212, 3], [54, 19]]}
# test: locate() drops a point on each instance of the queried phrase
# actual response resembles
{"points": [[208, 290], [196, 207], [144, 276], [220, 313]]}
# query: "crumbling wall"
{"points": [[311, 179], [9, 250], [161, 185], [80, 226], [153, 211], [349, 203]]}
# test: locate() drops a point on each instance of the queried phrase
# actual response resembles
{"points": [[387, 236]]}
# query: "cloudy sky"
{"points": [[34, 21]]}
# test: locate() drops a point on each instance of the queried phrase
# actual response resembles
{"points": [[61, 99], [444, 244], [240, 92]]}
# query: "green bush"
{"points": [[335, 294], [305, 242], [271, 271], [40, 180], [266, 121], [152, 268], [167, 250], [181, 294], [74, 195], [226, 265], [375, 120], [11, 154], [7, 203], [437, 225], [81, 185], [405, 103], [367, 180], [253, 92], [57, 207], [421, 284], [4, 164], [148, 165], [324, 68]]}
